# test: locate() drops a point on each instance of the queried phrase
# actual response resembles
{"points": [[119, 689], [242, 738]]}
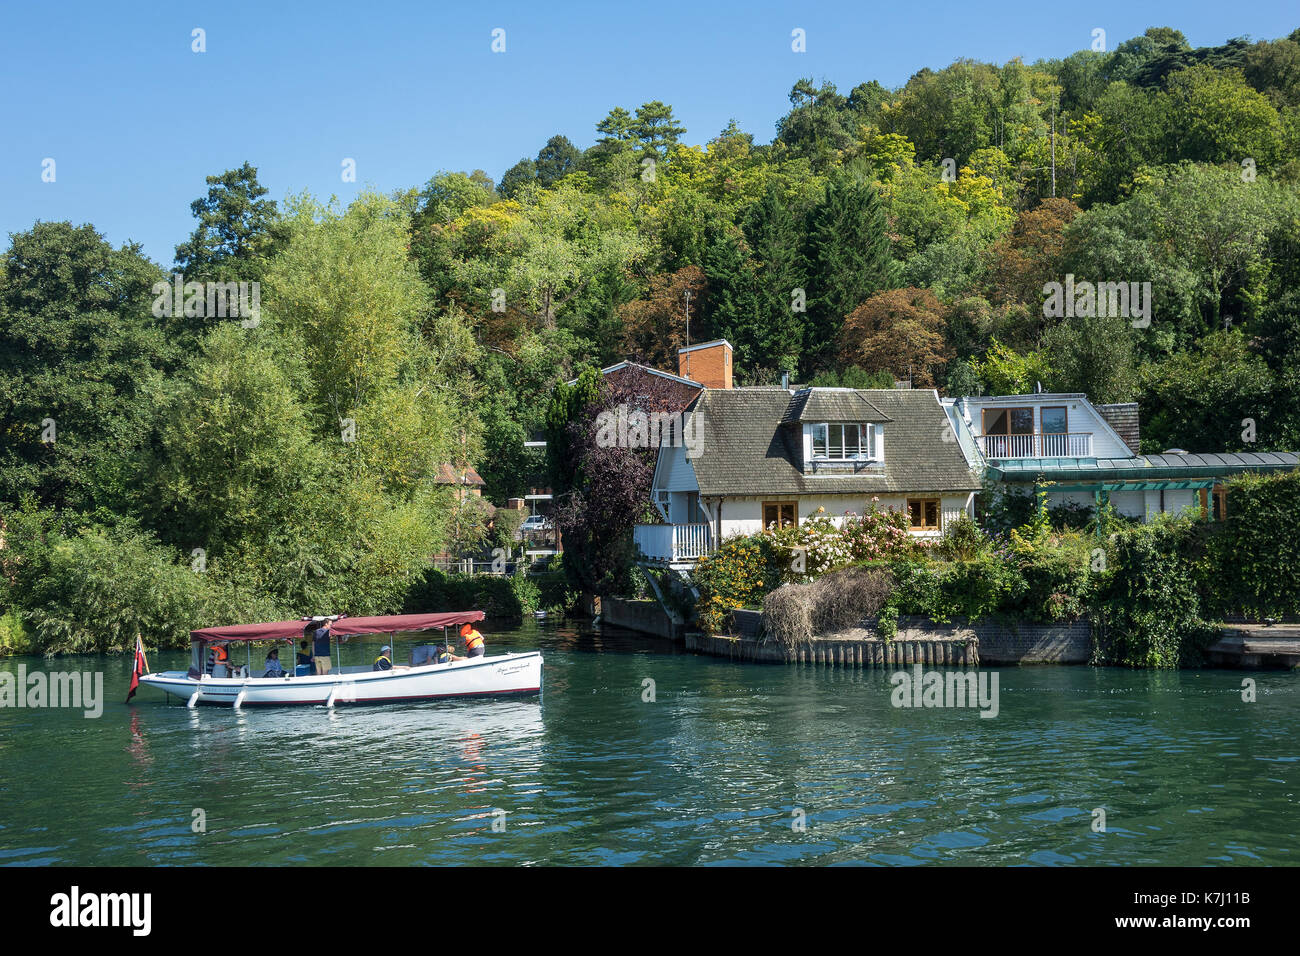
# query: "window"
{"points": [[1055, 420], [843, 441], [780, 514], [1008, 421], [923, 513]]}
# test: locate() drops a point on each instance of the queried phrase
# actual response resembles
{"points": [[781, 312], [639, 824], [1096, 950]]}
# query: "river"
{"points": [[727, 764]]}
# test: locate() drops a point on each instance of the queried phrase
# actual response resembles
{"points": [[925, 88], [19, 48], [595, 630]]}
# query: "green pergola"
{"points": [[1097, 487]]}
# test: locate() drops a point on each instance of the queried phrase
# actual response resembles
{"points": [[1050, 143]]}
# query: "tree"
{"points": [[238, 457], [780, 282], [1003, 371], [82, 363], [238, 230], [1096, 356], [1218, 118], [543, 256], [848, 260], [555, 160], [821, 122], [606, 484], [654, 328], [899, 332], [1021, 263], [517, 176], [656, 129], [1199, 399]]}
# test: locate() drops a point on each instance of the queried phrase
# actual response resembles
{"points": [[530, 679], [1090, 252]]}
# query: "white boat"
{"points": [[236, 686]]}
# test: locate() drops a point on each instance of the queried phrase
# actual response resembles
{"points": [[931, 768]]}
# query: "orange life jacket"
{"points": [[473, 639]]}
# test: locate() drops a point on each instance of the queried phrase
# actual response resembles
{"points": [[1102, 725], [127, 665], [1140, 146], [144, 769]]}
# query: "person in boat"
{"points": [[383, 662], [474, 646], [304, 655], [218, 654], [321, 648], [273, 666]]}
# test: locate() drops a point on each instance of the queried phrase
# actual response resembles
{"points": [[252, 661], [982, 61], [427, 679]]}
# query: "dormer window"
{"points": [[834, 441]]}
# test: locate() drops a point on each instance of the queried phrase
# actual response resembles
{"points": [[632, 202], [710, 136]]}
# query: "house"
{"points": [[1087, 455], [760, 457]]}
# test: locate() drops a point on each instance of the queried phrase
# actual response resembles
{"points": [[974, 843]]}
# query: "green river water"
{"points": [[729, 764]]}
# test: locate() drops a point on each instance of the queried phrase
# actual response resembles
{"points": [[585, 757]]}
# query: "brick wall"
{"points": [[709, 365], [1034, 643]]}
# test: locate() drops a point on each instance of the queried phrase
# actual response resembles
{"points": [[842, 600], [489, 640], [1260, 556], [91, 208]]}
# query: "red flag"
{"points": [[141, 667]]}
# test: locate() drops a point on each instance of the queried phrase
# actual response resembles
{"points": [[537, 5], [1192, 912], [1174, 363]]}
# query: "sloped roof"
{"points": [[750, 448], [832, 405], [1146, 466], [446, 475]]}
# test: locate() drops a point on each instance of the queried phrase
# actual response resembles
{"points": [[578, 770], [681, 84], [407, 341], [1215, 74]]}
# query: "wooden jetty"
{"points": [[1256, 646]]}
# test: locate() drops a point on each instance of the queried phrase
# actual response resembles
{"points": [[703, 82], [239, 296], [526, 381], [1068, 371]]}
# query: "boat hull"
{"points": [[506, 674]]}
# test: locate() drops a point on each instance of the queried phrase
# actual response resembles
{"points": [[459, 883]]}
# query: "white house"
{"points": [[1086, 454], [762, 457]]}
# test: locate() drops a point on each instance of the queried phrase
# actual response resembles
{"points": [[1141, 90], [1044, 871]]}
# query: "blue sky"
{"points": [[134, 119]]}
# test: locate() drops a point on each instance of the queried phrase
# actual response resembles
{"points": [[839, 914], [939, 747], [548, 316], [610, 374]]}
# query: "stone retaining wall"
{"points": [[917, 641]]}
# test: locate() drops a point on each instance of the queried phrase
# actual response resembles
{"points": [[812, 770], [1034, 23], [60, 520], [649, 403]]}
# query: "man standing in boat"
{"points": [[474, 646], [321, 648]]}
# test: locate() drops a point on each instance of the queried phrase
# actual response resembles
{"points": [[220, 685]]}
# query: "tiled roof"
{"points": [[747, 450], [832, 405], [446, 475]]}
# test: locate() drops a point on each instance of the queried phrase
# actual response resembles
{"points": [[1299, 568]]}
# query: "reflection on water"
{"points": [[715, 770]]}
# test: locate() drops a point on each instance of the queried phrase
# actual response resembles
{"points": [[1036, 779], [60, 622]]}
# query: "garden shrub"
{"points": [[1060, 577], [1252, 565], [506, 597], [1150, 609], [942, 591], [739, 574], [14, 638]]}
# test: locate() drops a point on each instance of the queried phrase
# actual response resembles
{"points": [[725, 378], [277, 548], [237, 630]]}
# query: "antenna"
{"points": [[686, 294]]}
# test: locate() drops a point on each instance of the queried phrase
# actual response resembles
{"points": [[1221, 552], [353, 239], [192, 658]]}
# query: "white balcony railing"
{"points": [[673, 542], [1059, 445]]}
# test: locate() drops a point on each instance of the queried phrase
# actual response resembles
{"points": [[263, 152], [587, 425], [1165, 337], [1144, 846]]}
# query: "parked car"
{"points": [[535, 523]]}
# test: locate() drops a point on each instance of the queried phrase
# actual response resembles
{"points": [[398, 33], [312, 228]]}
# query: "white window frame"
{"points": [[868, 442]]}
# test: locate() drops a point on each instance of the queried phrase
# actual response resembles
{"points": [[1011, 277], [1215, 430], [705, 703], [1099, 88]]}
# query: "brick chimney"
{"points": [[708, 363]]}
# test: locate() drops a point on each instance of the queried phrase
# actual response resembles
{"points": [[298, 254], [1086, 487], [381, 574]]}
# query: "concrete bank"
{"points": [[648, 617]]}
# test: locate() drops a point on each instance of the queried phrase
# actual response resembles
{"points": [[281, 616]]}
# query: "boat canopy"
{"points": [[344, 626]]}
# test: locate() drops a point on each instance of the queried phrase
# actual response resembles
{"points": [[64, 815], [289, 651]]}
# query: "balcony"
{"points": [[673, 543], [1058, 445]]}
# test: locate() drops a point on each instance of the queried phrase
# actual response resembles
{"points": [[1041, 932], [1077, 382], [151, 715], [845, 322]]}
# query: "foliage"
{"points": [[1253, 555], [739, 574], [501, 597], [899, 332], [1150, 611]]}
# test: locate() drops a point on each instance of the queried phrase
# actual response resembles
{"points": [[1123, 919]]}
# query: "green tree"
{"points": [[848, 260], [82, 363], [238, 230]]}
